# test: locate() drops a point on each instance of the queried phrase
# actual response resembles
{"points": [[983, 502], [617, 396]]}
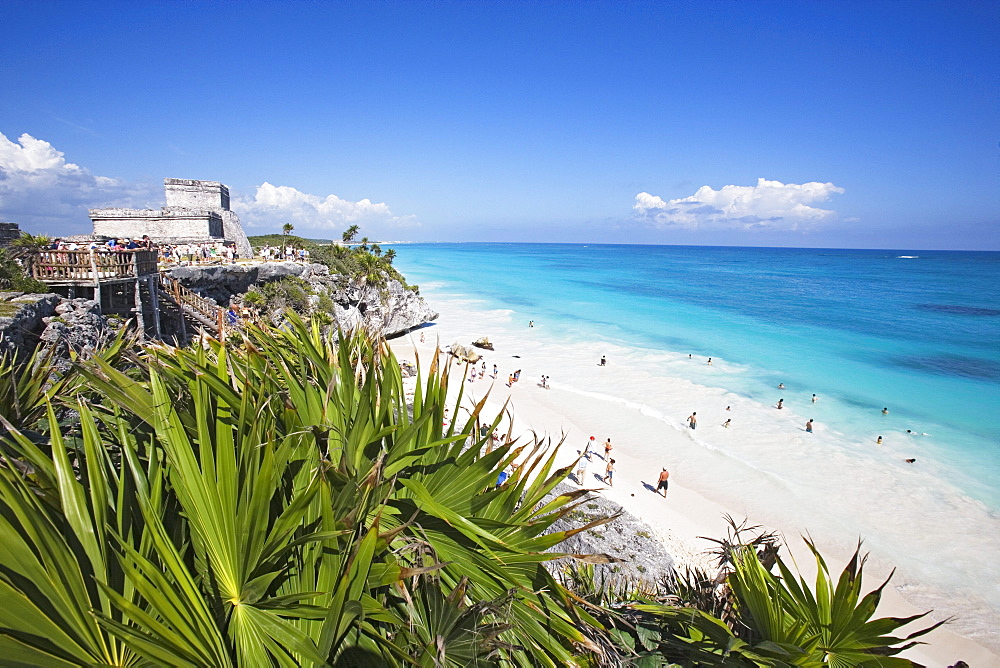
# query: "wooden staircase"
{"points": [[203, 313]]}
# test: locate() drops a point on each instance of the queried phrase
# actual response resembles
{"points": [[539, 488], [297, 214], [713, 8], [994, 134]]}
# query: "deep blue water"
{"points": [[862, 328]]}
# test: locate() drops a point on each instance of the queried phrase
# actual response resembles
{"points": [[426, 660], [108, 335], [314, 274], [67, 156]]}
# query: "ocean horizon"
{"points": [[913, 332]]}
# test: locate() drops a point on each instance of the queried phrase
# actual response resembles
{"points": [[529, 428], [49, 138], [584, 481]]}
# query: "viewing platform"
{"points": [[85, 268]]}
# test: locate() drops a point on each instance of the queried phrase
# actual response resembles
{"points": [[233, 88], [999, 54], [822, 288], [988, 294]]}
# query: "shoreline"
{"points": [[691, 511]]}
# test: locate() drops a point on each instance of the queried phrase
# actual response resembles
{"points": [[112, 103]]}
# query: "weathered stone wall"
{"points": [[8, 232], [233, 231], [192, 194], [160, 225]]}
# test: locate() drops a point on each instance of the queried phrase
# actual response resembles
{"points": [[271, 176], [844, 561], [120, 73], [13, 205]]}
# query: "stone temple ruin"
{"points": [[9, 232], [196, 212]]}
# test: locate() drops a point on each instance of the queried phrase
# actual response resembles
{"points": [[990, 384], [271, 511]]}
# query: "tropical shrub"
{"points": [[13, 276], [274, 500]]}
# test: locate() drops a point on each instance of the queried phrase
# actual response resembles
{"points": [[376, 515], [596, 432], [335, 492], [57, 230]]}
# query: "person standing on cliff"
{"points": [[662, 482]]}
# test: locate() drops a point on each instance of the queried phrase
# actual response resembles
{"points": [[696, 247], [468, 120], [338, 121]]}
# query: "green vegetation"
{"points": [[273, 501], [363, 263], [745, 614], [276, 500], [13, 276]]}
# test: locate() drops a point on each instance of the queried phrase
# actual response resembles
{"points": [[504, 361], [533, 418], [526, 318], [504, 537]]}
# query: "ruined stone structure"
{"points": [[196, 212], [8, 232]]}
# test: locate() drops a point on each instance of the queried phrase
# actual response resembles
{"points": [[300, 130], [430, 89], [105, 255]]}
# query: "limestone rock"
{"points": [[78, 325], [21, 321], [627, 538], [391, 309]]}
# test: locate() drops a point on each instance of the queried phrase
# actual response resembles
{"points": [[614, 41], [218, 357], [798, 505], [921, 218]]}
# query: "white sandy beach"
{"points": [[647, 439]]}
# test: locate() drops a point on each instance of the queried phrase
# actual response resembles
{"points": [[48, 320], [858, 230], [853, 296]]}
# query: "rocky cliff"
{"points": [[29, 319], [26, 320], [392, 308]]}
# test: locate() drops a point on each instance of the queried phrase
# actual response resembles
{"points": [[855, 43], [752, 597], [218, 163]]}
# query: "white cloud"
{"points": [[273, 206], [45, 194], [768, 205]]}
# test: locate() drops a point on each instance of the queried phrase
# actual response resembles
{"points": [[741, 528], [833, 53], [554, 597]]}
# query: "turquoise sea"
{"points": [[917, 332]]}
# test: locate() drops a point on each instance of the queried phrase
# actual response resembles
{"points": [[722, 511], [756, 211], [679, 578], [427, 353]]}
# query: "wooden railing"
{"points": [[209, 311], [85, 266]]}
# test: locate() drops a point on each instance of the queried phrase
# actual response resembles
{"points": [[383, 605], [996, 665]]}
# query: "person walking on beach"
{"points": [[809, 426], [780, 404], [693, 420], [607, 448], [662, 482], [495, 370], [878, 441], [603, 361], [727, 423], [581, 470], [709, 360], [609, 472]]}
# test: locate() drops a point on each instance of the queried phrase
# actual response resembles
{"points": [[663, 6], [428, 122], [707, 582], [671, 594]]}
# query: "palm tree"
{"points": [[390, 255], [287, 228], [364, 245], [350, 233]]}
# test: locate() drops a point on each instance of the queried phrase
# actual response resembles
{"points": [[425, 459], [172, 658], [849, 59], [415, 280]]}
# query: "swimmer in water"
{"points": [[781, 386], [709, 360], [885, 411], [815, 398], [878, 441]]}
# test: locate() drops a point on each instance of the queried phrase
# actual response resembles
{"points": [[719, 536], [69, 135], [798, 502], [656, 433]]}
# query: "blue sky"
{"points": [[868, 124]]}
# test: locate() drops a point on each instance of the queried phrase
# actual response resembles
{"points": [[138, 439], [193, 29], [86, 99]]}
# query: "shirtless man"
{"points": [[607, 448], [692, 421], [662, 482], [609, 472]]}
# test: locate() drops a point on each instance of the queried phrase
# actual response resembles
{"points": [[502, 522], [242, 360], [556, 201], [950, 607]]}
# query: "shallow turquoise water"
{"points": [[915, 331]]}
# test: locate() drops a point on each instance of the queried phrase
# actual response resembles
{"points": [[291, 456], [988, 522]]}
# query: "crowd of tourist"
{"points": [[288, 254], [205, 252], [190, 253], [106, 246]]}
